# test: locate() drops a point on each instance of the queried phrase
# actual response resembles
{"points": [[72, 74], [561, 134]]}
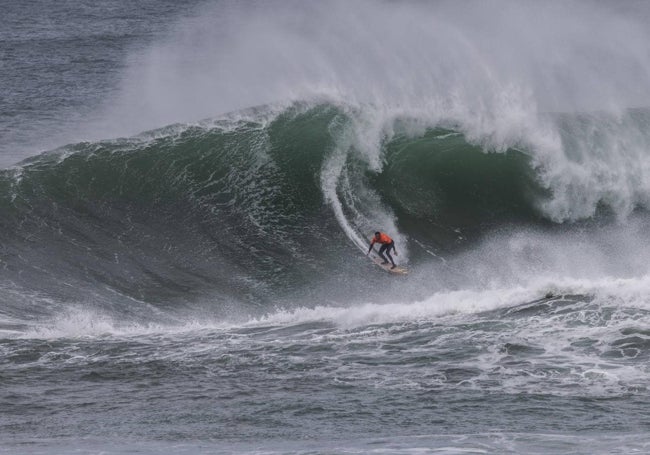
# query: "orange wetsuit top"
{"points": [[383, 239]]}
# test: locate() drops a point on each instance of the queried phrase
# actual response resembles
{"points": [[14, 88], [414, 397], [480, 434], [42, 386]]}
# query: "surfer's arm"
{"points": [[370, 249]]}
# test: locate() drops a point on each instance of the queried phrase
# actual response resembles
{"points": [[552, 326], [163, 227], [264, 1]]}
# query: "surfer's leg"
{"points": [[381, 253], [388, 248]]}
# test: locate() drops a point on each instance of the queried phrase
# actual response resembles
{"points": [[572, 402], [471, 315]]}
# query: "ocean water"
{"points": [[187, 192]]}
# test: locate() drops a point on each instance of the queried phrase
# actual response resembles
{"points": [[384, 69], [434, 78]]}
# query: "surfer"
{"points": [[386, 245]]}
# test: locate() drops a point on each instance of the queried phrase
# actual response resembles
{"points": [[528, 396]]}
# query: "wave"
{"points": [[263, 209]]}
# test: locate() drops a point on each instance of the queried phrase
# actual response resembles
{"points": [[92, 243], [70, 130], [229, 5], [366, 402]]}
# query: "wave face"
{"points": [[264, 209], [232, 209]]}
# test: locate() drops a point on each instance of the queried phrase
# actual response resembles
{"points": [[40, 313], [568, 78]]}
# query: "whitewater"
{"points": [[187, 194]]}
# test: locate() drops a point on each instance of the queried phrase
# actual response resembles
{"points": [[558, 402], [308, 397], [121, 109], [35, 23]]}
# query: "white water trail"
{"points": [[330, 176], [357, 208]]}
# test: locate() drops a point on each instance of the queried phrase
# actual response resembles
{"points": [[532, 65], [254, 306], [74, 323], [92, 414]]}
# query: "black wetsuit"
{"points": [[386, 247]]}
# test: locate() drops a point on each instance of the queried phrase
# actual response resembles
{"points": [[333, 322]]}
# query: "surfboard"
{"points": [[387, 267]]}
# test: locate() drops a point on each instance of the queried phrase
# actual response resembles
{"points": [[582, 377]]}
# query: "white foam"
{"points": [[438, 305], [615, 292], [84, 323]]}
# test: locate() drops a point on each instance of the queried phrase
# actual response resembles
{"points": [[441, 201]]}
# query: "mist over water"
{"points": [[472, 61], [499, 72]]}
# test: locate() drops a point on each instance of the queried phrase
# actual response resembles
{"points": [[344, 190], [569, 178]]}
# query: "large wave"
{"points": [[265, 208], [497, 143]]}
